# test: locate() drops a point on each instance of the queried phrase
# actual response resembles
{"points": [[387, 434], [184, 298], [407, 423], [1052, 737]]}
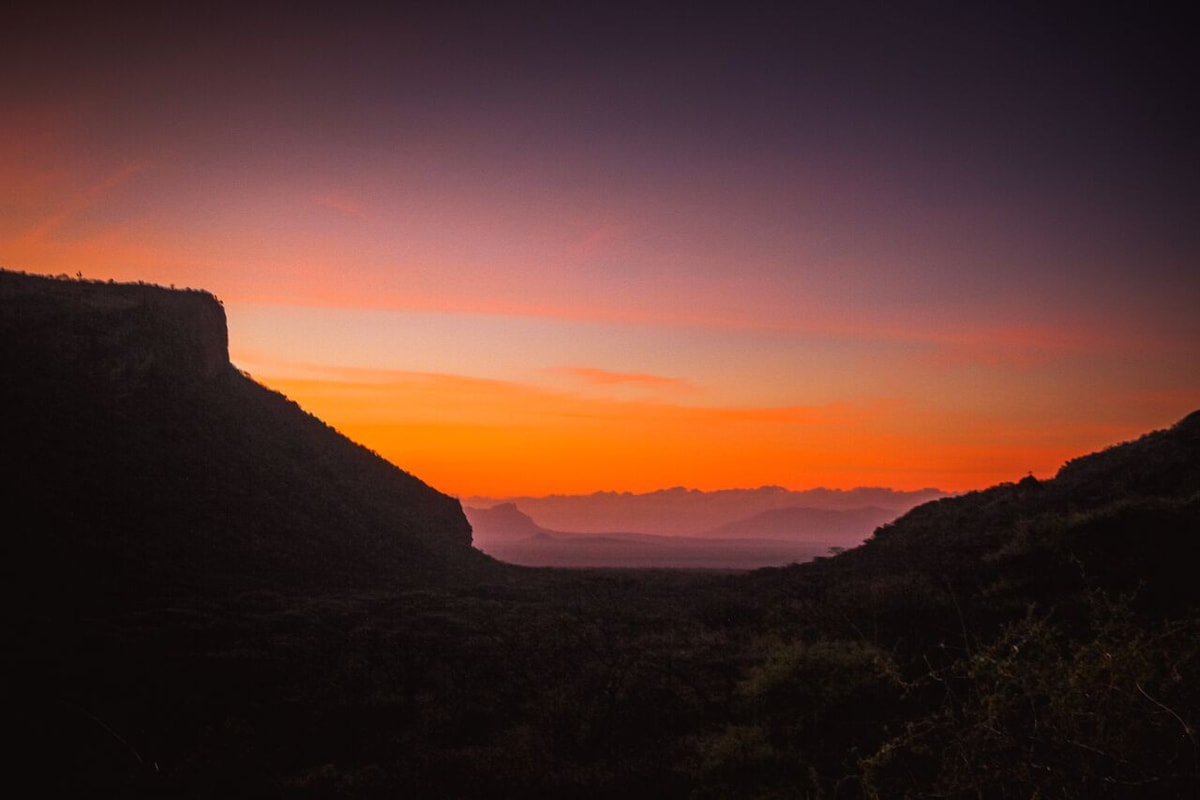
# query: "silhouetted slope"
{"points": [[1124, 519], [145, 463], [1161, 464], [1160, 470], [953, 573], [1046, 633]]}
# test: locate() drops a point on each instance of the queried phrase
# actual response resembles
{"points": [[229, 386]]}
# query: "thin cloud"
{"points": [[522, 399], [603, 377], [596, 241], [81, 201], [343, 204], [1018, 346], [841, 414]]}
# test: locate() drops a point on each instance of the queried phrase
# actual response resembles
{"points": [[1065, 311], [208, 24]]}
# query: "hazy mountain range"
{"points": [[505, 532], [768, 538], [690, 512], [736, 528]]}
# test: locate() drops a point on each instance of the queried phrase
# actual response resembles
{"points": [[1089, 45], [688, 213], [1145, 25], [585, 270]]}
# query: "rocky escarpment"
{"points": [[112, 333], [136, 447]]}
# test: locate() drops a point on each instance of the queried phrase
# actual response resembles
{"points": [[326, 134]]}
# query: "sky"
{"points": [[522, 249]]}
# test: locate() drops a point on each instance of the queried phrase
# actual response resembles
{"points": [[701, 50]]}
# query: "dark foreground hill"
{"points": [[1046, 633], [1125, 520], [139, 462], [211, 594]]}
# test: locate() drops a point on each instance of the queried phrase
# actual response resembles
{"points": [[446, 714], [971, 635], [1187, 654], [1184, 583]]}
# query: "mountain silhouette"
{"points": [[143, 463], [503, 522], [1122, 520], [510, 535], [692, 512]]}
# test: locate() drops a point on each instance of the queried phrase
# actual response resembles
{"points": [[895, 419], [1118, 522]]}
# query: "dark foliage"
{"points": [[211, 593]]}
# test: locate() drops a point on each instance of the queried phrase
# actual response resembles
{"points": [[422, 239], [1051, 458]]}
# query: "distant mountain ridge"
{"points": [[506, 533], [680, 511]]}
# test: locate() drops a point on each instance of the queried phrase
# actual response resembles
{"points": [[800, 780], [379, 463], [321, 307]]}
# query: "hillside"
{"points": [[144, 463], [1123, 519], [1049, 631]]}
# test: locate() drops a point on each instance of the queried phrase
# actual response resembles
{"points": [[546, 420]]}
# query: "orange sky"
{"points": [[619, 249]]}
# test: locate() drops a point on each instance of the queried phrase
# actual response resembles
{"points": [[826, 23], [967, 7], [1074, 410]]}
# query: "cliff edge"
{"points": [[146, 463]]}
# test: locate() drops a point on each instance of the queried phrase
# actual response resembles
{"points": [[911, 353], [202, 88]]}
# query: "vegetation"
{"points": [[213, 594]]}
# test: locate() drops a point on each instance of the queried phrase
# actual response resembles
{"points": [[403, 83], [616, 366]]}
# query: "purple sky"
{"points": [[919, 243]]}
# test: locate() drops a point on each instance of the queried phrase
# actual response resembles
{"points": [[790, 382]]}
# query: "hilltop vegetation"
{"points": [[212, 594]]}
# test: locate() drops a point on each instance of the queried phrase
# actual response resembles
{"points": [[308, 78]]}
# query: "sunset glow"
{"points": [[534, 252]]}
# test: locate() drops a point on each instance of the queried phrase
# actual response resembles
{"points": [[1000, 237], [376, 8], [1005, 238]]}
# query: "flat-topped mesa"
{"points": [[118, 333], [135, 443], [199, 343]]}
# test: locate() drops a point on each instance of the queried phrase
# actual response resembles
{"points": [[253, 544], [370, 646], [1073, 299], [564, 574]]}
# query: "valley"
{"points": [[211, 593]]}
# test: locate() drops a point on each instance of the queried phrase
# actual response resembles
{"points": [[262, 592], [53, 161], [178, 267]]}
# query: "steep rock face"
{"points": [[148, 463], [119, 334], [199, 344]]}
